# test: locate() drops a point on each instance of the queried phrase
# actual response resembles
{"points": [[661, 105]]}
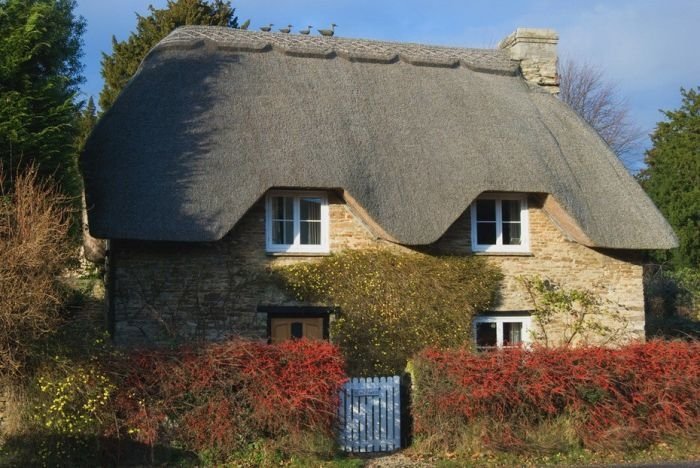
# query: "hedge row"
{"points": [[224, 396], [611, 398]]}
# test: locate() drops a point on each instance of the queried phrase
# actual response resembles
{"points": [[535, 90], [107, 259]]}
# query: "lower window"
{"points": [[282, 329], [290, 323], [497, 331]]}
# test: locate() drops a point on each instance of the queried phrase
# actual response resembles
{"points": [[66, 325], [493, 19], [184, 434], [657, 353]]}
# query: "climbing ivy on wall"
{"points": [[391, 305]]}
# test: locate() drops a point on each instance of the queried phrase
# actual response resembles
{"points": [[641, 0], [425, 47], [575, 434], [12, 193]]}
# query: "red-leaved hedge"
{"points": [[223, 396], [631, 396]]}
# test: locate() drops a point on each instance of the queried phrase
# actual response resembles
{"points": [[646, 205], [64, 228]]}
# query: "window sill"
{"points": [[505, 254], [297, 254]]}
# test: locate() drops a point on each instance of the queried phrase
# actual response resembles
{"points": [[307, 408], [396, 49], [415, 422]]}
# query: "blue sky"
{"points": [[648, 48]]}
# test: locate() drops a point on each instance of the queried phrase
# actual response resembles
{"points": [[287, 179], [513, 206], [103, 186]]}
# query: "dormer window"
{"points": [[499, 223], [297, 222]]}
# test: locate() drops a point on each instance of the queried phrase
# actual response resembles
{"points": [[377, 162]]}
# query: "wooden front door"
{"points": [[285, 328]]}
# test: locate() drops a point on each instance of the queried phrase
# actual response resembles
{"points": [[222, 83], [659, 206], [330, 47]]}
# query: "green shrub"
{"points": [[65, 402], [392, 305], [570, 316], [672, 302], [73, 403]]}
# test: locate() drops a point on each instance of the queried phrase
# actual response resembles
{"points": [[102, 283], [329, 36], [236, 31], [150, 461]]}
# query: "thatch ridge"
{"points": [[484, 60], [203, 131]]}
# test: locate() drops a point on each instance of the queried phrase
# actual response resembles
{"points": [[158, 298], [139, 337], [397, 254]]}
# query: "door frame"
{"points": [[296, 312]]}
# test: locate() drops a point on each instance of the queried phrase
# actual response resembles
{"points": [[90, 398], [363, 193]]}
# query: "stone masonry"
{"points": [[164, 291], [614, 275], [536, 50]]}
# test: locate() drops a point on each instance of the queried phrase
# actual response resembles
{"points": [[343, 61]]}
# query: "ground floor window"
{"points": [[288, 323], [500, 329]]}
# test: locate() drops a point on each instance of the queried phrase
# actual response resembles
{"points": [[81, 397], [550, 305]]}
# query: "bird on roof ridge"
{"points": [[287, 29], [266, 28], [245, 25], [328, 32], [305, 31]]}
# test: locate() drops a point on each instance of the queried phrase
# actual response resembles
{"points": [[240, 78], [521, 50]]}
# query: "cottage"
{"points": [[231, 151]]}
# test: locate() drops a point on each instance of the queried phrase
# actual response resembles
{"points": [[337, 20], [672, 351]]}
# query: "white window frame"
{"points": [[499, 320], [498, 247], [296, 247]]}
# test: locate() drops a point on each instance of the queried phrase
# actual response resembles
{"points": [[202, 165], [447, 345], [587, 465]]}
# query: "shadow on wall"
{"points": [[163, 129]]}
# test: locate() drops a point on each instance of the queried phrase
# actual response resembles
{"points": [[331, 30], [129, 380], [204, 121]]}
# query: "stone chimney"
{"points": [[536, 50]]}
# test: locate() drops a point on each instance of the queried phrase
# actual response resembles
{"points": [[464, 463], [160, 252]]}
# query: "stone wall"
{"points": [[162, 291], [210, 290], [615, 276]]}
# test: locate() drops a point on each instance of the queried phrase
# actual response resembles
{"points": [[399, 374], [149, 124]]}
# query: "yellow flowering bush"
{"points": [[392, 305], [72, 401]]}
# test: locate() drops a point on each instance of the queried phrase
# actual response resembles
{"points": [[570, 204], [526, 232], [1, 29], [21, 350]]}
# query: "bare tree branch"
{"points": [[598, 102], [35, 248]]}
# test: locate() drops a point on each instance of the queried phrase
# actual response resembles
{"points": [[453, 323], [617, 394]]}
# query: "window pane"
{"points": [[512, 333], [282, 208], [277, 208], [486, 210], [278, 232], [283, 232], [511, 234], [310, 209], [511, 210], [288, 208], [486, 334], [486, 233], [297, 330], [310, 233]]}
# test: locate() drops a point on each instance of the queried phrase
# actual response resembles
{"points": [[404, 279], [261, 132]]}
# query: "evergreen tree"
{"points": [[119, 66], [672, 178], [40, 71], [86, 122]]}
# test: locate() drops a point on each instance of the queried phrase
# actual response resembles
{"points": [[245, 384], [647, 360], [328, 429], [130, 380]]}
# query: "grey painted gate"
{"points": [[370, 415]]}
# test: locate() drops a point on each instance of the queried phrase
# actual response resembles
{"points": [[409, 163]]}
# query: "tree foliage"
{"points": [[119, 66], [86, 122], [40, 70], [598, 102], [672, 178]]}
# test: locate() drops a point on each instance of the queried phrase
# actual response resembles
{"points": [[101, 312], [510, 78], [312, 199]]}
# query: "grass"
{"points": [[672, 450]]}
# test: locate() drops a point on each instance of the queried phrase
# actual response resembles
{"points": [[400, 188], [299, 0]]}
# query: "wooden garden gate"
{"points": [[370, 415]]}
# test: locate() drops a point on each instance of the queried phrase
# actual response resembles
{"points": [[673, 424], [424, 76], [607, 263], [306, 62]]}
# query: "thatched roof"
{"points": [[215, 117]]}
